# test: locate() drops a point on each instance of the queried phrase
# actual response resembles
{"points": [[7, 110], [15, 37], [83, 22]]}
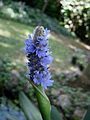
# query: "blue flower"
{"points": [[29, 46], [39, 57], [46, 60], [41, 52]]}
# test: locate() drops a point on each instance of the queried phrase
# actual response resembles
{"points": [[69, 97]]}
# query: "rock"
{"points": [[55, 92], [15, 76], [15, 73], [78, 113], [64, 101]]}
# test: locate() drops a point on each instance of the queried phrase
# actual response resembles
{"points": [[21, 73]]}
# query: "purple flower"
{"points": [[46, 60], [37, 51], [29, 46], [41, 52]]}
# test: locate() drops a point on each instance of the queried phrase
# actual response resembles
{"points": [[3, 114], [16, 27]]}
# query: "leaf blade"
{"points": [[55, 115], [29, 109]]}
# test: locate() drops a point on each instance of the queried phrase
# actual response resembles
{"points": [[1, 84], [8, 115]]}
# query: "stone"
{"points": [[64, 101], [15, 73], [78, 113]]}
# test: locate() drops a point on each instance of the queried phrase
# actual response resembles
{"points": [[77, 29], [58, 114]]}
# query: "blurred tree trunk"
{"points": [[45, 5]]}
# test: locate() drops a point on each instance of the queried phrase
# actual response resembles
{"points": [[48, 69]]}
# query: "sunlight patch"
{"points": [[5, 33], [5, 45], [27, 33]]}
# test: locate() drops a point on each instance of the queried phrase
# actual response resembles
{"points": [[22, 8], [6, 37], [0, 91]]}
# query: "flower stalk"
{"points": [[39, 58], [43, 102]]}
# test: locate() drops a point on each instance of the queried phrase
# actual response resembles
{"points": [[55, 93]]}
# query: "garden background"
{"points": [[69, 41]]}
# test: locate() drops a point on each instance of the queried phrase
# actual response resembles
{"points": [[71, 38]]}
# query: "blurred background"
{"points": [[69, 23]]}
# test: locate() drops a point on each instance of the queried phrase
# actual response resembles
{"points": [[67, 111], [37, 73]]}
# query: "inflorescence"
{"points": [[39, 57]]}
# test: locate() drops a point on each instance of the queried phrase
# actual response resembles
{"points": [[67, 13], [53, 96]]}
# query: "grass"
{"points": [[12, 35]]}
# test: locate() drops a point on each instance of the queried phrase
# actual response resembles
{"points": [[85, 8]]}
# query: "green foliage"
{"points": [[87, 115], [7, 1], [9, 111], [73, 14], [76, 15], [29, 109], [22, 13], [43, 102], [35, 3], [5, 67], [55, 114], [11, 81], [51, 6]]}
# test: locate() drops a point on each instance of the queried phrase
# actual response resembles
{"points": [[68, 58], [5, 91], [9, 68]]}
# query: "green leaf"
{"points": [[10, 117], [43, 102], [9, 111], [55, 115], [29, 109], [87, 115]]}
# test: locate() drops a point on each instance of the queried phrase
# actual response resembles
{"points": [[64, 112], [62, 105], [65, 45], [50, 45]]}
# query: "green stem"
{"points": [[43, 102]]}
